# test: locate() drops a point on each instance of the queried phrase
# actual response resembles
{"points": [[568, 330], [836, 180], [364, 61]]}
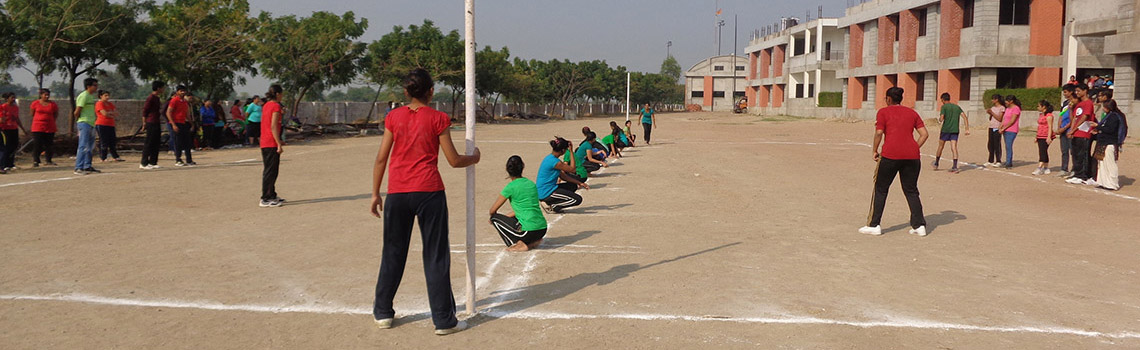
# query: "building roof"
{"points": [[701, 68]]}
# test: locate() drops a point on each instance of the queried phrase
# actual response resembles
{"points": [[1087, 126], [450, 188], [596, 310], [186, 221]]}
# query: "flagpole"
{"points": [[469, 35]]}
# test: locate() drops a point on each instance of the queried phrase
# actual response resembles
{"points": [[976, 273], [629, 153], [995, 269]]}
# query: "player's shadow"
{"points": [[508, 302], [933, 221], [558, 242], [330, 199], [597, 186], [1126, 181], [609, 174], [595, 209]]}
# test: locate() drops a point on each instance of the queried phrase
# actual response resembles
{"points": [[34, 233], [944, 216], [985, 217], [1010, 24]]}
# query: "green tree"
{"points": [[654, 89], [10, 44], [391, 58], [493, 73], [19, 90], [309, 54], [203, 44], [122, 86], [671, 69]]}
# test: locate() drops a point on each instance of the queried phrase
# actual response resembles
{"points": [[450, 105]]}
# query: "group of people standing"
{"points": [[414, 136]]}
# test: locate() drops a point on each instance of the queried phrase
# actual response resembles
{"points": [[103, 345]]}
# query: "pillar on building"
{"points": [[765, 95], [854, 93], [908, 36], [708, 100], [751, 65], [818, 87], [950, 31], [855, 46], [778, 61], [807, 41], [909, 83], [765, 63], [886, 44], [750, 93], [778, 95], [949, 81], [882, 83]]}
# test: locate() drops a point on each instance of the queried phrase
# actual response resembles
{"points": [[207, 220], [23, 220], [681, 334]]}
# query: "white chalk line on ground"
{"points": [[538, 315], [33, 182]]}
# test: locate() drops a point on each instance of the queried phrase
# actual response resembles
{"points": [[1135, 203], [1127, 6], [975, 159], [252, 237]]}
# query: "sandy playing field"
{"points": [[730, 232]]}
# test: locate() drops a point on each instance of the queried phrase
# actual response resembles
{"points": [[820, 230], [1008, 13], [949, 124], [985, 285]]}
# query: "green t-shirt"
{"points": [[86, 104], [952, 114], [608, 140], [580, 155], [524, 201]]}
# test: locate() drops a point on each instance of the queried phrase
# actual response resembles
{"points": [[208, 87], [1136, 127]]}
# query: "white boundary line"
{"points": [[53, 180], [537, 315]]}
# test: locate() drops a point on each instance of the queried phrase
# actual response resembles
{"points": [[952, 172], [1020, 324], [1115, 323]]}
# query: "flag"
{"points": [[718, 12]]}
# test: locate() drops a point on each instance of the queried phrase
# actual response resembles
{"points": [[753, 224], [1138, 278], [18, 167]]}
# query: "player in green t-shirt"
{"points": [[523, 230], [950, 116], [85, 126]]}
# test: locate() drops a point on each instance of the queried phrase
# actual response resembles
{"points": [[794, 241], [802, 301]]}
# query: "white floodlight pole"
{"points": [[469, 34], [627, 105]]}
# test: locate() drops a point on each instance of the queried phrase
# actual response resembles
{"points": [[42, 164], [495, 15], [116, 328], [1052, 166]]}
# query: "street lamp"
{"points": [[668, 44]]}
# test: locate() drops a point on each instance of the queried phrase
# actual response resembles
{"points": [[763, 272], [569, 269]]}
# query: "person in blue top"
{"points": [[253, 117], [209, 119], [523, 230], [1063, 126], [648, 121], [558, 196]]}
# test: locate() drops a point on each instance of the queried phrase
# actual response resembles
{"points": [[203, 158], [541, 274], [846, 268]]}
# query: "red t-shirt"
{"points": [[179, 110], [413, 165], [43, 116], [11, 114], [101, 107], [1085, 109], [268, 123], [236, 112], [898, 124]]}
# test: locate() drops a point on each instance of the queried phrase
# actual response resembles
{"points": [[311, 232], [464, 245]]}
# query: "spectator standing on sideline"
{"points": [[1010, 125], [45, 114], [1063, 126], [414, 135], [85, 125], [1111, 132], [151, 122], [11, 131], [994, 142], [894, 129], [253, 117], [1045, 127], [178, 115], [1081, 134], [648, 121], [106, 113], [209, 117]]}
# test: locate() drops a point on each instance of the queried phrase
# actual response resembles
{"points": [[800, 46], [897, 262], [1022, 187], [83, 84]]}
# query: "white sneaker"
{"points": [[269, 204], [1046, 172], [1091, 182], [144, 167], [1037, 172], [1075, 181], [384, 323], [920, 231], [179, 164], [874, 231], [459, 327], [153, 167]]}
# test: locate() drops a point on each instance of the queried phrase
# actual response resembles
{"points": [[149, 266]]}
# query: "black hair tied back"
{"points": [[515, 166]]}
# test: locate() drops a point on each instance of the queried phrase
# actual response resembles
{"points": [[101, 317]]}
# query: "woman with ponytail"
{"points": [[558, 196], [522, 230], [1010, 125], [271, 147], [1111, 132]]}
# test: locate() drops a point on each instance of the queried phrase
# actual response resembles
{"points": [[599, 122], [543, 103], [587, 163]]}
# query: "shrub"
{"points": [[830, 99], [1028, 97]]}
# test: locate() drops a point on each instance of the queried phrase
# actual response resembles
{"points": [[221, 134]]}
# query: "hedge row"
{"points": [[830, 99], [1028, 97]]}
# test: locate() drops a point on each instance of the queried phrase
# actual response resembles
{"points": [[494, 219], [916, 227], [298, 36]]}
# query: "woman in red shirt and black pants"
{"points": [[413, 136], [271, 147], [896, 125]]}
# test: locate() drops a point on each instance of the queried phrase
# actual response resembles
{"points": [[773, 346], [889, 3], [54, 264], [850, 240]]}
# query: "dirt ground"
{"points": [[729, 232]]}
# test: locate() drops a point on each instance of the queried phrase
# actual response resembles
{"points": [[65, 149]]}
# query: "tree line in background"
{"points": [[210, 45]]}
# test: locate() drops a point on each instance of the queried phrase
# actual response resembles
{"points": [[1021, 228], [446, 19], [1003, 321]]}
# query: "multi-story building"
{"points": [[960, 47], [788, 68], [716, 83]]}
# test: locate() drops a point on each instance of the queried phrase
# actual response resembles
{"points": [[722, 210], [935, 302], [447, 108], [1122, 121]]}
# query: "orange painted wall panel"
{"points": [[752, 58], [909, 83], [765, 94], [708, 101], [949, 81], [778, 56], [950, 30], [1046, 33], [882, 83], [750, 93], [1044, 78], [765, 63], [855, 46], [908, 36], [778, 95], [854, 93], [886, 42]]}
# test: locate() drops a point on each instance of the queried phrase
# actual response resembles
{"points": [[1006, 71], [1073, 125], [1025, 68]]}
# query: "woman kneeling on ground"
{"points": [[558, 196], [523, 230]]}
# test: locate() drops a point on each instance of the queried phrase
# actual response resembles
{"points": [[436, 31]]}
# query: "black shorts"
{"points": [[253, 129], [1042, 150]]}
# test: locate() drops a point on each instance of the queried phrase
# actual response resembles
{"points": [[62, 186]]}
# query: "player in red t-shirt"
{"points": [[271, 147], [894, 129], [178, 114], [1081, 133], [10, 127], [44, 116], [413, 136], [105, 115]]}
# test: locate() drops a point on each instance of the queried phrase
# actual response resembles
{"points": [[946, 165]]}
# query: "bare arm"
{"points": [[453, 157], [922, 136], [875, 145], [590, 158], [566, 177], [274, 120], [498, 204], [1016, 119], [170, 118], [966, 120], [378, 169], [564, 167]]}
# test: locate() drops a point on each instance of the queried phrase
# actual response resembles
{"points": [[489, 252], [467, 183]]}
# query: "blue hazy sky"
{"points": [[631, 33]]}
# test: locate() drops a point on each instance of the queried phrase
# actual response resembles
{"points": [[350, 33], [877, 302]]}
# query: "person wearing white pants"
{"points": [[1111, 132]]}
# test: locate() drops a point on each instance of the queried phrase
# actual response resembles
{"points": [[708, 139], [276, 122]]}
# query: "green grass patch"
{"points": [[830, 99]]}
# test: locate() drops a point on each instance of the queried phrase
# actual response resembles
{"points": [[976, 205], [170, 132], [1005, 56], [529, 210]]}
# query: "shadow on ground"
{"points": [[932, 221]]}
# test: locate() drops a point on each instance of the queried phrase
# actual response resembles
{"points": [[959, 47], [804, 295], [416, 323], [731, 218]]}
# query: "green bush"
{"points": [[830, 99], [1028, 97]]}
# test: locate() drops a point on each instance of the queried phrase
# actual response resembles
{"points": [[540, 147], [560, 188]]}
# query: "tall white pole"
{"points": [[469, 34], [627, 105]]}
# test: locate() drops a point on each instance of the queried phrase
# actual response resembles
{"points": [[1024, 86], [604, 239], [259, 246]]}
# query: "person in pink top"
{"points": [[1045, 136], [994, 145], [414, 135], [1010, 124]]}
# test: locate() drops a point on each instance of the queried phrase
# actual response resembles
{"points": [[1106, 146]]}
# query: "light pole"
{"points": [[668, 45], [719, 23]]}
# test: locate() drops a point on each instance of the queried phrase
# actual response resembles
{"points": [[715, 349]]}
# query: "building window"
{"points": [[799, 50], [799, 91], [698, 94], [811, 91], [967, 13], [964, 91], [920, 86], [718, 68], [921, 14], [866, 93], [1014, 12], [739, 68], [1135, 76], [718, 94], [739, 94], [1012, 78]]}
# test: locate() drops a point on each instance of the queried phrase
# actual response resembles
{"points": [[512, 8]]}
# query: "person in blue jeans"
{"points": [[1010, 125], [85, 125]]}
